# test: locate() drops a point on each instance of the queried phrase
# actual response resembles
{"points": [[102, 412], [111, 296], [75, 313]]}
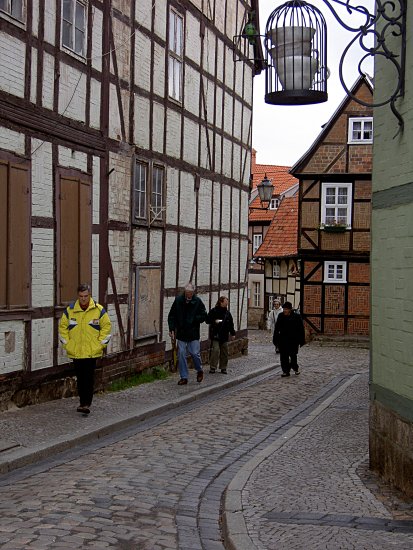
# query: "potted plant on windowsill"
{"points": [[334, 227]]}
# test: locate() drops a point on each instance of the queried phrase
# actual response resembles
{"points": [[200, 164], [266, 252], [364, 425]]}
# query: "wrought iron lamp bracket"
{"points": [[389, 20]]}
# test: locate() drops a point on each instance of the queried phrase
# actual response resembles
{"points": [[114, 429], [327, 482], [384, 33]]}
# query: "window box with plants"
{"points": [[334, 227]]}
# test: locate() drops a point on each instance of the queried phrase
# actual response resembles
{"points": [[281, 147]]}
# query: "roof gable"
{"points": [[281, 238]]}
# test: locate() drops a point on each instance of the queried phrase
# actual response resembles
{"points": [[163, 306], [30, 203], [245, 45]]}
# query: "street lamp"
{"points": [[265, 190]]}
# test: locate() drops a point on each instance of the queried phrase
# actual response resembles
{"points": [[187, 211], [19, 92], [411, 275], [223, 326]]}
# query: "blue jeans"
{"points": [[194, 350]]}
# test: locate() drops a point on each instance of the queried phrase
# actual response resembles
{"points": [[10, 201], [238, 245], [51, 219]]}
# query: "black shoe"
{"points": [[224, 371], [84, 410], [212, 371], [200, 376], [284, 374], [182, 382], [296, 372]]}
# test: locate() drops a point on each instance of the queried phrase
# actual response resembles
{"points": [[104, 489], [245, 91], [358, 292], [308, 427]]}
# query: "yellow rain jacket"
{"points": [[84, 333]]}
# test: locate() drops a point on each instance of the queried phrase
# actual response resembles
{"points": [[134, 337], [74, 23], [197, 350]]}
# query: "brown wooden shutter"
{"points": [[19, 237], [3, 234], [75, 231]]}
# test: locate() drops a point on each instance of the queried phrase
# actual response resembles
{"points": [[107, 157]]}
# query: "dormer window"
{"points": [[274, 204], [360, 130]]}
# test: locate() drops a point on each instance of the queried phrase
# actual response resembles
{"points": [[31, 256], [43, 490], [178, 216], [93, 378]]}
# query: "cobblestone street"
{"points": [[160, 483]]}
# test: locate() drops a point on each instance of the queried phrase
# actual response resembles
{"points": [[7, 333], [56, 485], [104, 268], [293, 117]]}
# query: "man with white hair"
{"points": [[184, 320]]}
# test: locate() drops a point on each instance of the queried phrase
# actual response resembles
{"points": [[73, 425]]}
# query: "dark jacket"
{"points": [[289, 331], [185, 318], [220, 331]]}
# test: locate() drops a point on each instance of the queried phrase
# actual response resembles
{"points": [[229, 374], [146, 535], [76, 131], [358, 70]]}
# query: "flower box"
{"points": [[336, 228]]}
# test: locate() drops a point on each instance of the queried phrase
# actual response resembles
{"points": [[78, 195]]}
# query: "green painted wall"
{"points": [[392, 240]]}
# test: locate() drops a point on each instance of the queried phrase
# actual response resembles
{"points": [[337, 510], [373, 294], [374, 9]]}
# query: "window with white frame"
{"points": [[148, 192], [336, 204], [276, 270], [74, 26], [257, 242], [335, 272], [360, 130], [14, 8], [257, 294], [176, 48], [274, 204]]}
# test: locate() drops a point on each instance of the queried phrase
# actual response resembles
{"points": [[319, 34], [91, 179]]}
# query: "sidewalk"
{"points": [[39, 431]]}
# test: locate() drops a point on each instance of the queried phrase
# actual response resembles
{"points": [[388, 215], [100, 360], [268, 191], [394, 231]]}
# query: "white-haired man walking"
{"points": [[184, 320]]}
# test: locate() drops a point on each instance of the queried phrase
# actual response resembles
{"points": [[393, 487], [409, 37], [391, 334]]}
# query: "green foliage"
{"points": [[146, 377]]}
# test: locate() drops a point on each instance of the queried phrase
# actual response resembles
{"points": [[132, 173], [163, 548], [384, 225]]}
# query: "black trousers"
{"points": [[288, 358], [85, 374]]}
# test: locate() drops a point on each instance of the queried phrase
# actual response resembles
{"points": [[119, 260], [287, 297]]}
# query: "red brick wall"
{"points": [[334, 326], [334, 299], [312, 299], [359, 300], [358, 273]]}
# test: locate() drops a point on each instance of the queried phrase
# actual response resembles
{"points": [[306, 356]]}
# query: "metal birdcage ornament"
{"points": [[296, 55]]}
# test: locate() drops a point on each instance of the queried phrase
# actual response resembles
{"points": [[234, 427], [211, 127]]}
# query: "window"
{"points": [[276, 270], [15, 271], [335, 272], [176, 26], [257, 242], [14, 8], [274, 204], [74, 25], [336, 204], [148, 193], [360, 130], [74, 235], [257, 294]]}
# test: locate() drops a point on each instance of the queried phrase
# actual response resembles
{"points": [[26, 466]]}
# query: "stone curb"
{"points": [[24, 457], [233, 523]]}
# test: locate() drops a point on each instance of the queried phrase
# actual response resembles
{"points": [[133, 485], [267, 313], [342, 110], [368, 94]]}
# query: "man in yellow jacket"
{"points": [[84, 332]]}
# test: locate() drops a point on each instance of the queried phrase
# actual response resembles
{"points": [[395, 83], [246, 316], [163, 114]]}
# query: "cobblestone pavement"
{"points": [[159, 483]]}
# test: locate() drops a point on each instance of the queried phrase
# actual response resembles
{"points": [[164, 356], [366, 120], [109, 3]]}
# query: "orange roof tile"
{"points": [[260, 215], [278, 175], [281, 238]]}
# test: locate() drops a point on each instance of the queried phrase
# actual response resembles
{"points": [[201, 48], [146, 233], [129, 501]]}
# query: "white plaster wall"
{"points": [[115, 129], [235, 262], [191, 141], [140, 240], [227, 158], [216, 223], [42, 179], [96, 190], [205, 204], [229, 68], [173, 134], [12, 60], [48, 81], [186, 258], [72, 92], [120, 187], [11, 141], [158, 127], [97, 28], [142, 60], [161, 19], [172, 177], [237, 168], [171, 255], [42, 338], [218, 153], [237, 118], [192, 38], [115, 342], [49, 20], [42, 267], [216, 251], [159, 70], [119, 253], [71, 158], [12, 360], [209, 52], [94, 103], [188, 200], [220, 17], [35, 19], [141, 122], [155, 252], [204, 260], [121, 38], [235, 225], [225, 254], [33, 82], [226, 207], [220, 55], [218, 118], [192, 90], [228, 114]]}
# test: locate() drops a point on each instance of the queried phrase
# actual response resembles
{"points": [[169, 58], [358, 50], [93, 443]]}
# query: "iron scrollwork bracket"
{"points": [[388, 21]]}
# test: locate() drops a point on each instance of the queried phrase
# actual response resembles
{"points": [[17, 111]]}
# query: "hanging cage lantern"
{"points": [[296, 55]]}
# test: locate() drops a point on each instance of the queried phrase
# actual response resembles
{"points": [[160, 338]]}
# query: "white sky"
{"points": [[283, 133]]}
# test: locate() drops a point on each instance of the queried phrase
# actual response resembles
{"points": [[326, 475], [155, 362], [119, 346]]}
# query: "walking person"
{"points": [[84, 331], [272, 318], [221, 327], [289, 334], [184, 320]]}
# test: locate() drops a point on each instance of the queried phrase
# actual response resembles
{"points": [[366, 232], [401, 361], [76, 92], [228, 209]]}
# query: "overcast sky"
{"points": [[282, 134]]}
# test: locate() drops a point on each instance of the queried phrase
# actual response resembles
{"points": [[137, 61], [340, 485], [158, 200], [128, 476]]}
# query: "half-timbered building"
{"points": [[125, 136], [334, 220]]}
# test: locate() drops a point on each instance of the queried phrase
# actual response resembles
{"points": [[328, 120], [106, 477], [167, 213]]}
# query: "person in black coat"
{"points": [[221, 327], [288, 336]]}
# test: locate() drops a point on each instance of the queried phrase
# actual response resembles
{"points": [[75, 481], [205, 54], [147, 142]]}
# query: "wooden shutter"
{"points": [[3, 234], [75, 250], [19, 237]]}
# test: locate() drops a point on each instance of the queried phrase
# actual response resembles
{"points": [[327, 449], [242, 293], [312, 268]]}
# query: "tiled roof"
{"points": [[281, 238], [278, 175], [261, 215]]}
